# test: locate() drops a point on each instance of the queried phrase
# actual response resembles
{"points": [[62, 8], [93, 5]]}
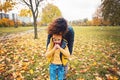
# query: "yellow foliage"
{"points": [[25, 13], [4, 22], [0, 7], [49, 13], [7, 6], [97, 21]]}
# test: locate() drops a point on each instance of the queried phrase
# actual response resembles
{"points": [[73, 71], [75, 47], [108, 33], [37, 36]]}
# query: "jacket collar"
{"points": [[64, 43]]}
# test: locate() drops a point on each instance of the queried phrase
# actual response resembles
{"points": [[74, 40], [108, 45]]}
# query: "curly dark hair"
{"points": [[58, 26]]}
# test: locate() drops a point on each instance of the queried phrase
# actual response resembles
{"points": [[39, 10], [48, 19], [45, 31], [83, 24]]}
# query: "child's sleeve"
{"points": [[65, 51], [50, 50]]}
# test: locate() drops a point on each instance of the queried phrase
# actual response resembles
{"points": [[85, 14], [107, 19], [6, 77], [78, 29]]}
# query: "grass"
{"points": [[95, 49], [102, 33], [95, 55], [9, 30]]}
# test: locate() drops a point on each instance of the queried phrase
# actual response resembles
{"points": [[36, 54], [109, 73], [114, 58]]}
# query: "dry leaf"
{"points": [[31, 71]]}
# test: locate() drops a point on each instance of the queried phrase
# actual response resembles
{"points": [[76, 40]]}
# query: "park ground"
{"points": [[96, 54]]}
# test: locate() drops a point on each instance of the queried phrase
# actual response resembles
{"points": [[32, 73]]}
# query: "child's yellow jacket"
{"points": [[64, 59]]}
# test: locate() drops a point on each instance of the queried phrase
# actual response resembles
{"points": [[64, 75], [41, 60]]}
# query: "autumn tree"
{"points": [[7, 6], [111, 11], [25, 13], [49, 13], [33, 5], [0, 7], [98, 19]]}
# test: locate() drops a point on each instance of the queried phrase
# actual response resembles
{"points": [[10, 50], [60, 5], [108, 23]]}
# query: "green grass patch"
{"points": [[97, 50], [5, 31]]}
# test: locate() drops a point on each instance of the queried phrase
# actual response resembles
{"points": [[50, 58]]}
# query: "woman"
{"points": [[60, 26]]}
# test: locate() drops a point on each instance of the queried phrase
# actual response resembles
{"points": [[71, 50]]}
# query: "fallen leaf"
{"points": [[31, 71]]}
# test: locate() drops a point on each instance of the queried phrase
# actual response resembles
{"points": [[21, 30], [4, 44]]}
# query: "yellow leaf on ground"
{"points": [[19, 78], [31, 71], [1, 52], [99, 78], [79, 79], [94, 64], [110, 77]]}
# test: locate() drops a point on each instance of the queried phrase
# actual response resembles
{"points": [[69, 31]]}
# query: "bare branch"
{"points": [[37, 4], [31, 5], [36, 13], [27, 4]]}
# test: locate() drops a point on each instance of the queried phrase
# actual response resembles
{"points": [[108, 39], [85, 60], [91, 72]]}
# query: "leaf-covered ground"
{"points": [[96, 56]]}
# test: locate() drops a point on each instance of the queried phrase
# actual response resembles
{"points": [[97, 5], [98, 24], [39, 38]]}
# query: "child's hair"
{"points": [[58, 26]]}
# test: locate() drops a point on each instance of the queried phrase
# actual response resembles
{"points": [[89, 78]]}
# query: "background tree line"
{"points": [[107, 14]]}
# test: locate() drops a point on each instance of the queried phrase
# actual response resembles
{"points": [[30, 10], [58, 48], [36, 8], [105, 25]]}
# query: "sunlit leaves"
{"points": [[7, 6], [0, 6], [21, 57], [95, 56], [4, 22], [49, 13], [25, 13]]}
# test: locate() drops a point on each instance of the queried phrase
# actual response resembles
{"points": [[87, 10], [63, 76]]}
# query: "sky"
{"points": [[77, 9], [74, 9]]}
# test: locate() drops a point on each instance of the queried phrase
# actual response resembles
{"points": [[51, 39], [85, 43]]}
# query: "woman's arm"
{"points": [[70, 38]]}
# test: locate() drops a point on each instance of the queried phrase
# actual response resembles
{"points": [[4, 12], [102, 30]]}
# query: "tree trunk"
{"points": [[14, 19], [35, 27]]}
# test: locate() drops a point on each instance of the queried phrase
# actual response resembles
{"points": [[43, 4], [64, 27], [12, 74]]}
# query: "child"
{"points": [[57, 54]]}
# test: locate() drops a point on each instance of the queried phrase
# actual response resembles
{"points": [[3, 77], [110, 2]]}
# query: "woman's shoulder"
{"points": [[70, 28], [64, 43]]}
